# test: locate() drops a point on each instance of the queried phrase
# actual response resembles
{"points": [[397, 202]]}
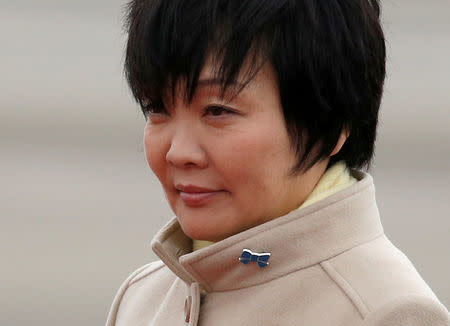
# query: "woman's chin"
{"points": [[202, 228], [206, 222]]}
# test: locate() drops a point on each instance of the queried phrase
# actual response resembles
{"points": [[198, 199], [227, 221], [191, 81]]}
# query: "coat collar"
{"points": [[299, 239]]}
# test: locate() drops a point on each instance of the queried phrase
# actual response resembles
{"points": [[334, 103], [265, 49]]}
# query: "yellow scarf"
{"points": [[335, 178]]}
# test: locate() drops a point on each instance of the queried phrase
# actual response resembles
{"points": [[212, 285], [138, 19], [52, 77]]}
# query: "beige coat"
{"points": [[330, 265]]}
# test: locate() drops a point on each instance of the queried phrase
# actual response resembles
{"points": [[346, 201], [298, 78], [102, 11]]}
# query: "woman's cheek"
{"points": [[154, 153], [243, 159]]}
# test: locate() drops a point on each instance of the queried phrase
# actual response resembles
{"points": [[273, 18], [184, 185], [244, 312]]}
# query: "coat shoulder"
{"points": [[377, 275], [411, 310], [134, 279], [144, 271]]}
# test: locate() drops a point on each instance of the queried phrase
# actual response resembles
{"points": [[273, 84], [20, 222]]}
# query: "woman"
{"points": [[260, 115]]}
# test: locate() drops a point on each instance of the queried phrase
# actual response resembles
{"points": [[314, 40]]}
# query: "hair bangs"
{"points": [[170, 42]]}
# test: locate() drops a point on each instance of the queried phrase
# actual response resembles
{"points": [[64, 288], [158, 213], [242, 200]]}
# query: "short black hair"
{"points": [[329, 57]]}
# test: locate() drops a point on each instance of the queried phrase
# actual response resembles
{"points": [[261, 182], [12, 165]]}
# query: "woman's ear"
{"points": [[342, 138]]}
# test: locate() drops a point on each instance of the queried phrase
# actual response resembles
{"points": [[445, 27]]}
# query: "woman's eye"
{"points": [[216, 110]]}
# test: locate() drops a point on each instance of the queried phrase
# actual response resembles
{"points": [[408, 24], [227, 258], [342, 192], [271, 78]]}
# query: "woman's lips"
{"points": [[195, 199], [195, 196]]}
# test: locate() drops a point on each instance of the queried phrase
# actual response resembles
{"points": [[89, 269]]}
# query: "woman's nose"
{"points": [[185, 151]]}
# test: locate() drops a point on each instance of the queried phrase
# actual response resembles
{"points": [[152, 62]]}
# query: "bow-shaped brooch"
{"points": [[249, 256]]}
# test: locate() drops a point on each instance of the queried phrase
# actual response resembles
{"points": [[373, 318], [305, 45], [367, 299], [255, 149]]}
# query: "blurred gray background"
{"points": [[79, 205]]}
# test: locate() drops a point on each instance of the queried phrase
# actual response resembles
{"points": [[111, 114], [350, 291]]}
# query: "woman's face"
{"points": [[224, 166]]}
